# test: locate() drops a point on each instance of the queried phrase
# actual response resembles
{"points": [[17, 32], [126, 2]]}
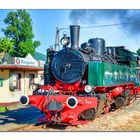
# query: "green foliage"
{"points": [[19, 30], [3, 109], [138, 51], [24, 48], [6, 45], [40, 56], [36, 44]]}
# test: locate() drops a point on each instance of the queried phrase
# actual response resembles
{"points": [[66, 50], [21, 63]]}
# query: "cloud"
{"points": [[132, 17]]}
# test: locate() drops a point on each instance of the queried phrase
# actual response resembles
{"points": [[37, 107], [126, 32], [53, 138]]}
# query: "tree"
{"points": [[138, 51], [19, 30], [6, 45]]}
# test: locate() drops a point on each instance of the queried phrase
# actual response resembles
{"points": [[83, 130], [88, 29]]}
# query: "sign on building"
{"points": [[25, 61]]}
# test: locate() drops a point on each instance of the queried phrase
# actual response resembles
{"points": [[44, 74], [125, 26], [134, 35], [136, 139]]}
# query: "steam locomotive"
{"points": [[83, 82]]}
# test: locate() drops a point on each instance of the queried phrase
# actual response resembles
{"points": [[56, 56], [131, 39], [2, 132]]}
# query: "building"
{"points": [[16, 75]]}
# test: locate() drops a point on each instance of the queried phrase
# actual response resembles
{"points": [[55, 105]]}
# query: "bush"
{"points": [[6, 45], [3, 109]]}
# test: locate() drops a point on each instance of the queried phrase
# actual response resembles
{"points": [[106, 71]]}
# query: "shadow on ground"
{"points": [[24, 115]]}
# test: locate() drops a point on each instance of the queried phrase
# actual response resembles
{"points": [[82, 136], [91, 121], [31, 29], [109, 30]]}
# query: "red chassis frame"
{"points": [[66, 115], [69, 115]]}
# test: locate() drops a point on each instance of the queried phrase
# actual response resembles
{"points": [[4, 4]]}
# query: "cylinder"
{"points": [[98, 44], [74, 34]]}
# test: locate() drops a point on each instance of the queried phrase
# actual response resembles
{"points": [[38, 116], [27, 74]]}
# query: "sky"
{"points": [[46, 21]]}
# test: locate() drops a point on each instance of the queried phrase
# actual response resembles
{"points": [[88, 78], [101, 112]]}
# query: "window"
{"points": [[41, 77], [15, 81], [41, 80], [31, 79], [1, 82]]}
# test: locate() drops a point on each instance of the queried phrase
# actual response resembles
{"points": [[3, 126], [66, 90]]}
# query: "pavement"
{"points": [[18, 117]]}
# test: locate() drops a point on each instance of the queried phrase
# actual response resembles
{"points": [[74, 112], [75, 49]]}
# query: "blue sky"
{"points": [[46, 21]]}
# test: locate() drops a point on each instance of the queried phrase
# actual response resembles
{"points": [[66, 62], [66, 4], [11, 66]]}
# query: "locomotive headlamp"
{"points": [[88, 88], [65, 41], [71, 102], [34, 87]]}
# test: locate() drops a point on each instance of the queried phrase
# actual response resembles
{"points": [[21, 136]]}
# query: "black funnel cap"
{"points": [[74, 34]]}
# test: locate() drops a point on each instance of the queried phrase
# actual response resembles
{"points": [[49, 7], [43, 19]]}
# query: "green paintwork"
{"points": [[106, 74]]}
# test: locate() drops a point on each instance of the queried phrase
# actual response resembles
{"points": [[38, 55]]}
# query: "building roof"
{"points": [[19, 63], [19, 67]]}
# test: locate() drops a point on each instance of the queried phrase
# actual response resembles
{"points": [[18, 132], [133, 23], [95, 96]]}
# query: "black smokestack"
{"points": [[74, 34]]}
